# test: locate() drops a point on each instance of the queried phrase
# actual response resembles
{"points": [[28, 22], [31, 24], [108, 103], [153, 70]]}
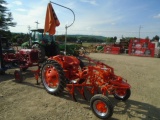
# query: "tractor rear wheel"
{"points": [[2, 72], [53, 77], [122, 94], [41, 51], [101, 106]]}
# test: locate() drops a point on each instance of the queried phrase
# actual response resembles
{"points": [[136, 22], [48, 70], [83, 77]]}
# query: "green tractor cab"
{"points": [[44, 43]]}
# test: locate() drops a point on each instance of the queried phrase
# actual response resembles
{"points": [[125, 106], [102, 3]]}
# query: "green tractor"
{"points": [[47, 46], [44, 43]]}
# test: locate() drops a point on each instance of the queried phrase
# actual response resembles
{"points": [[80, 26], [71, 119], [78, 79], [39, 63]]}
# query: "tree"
{"points": [[155, 38], [115, 38], [5, 16], [111, 39], [147, 37]]}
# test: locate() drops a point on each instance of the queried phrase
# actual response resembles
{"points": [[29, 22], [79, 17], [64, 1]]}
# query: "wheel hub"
{"points": [[51, 77], [120, 92], [100, 108]]}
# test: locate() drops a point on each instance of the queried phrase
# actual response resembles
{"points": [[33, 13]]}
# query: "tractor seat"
{"points": [[70, 61]]}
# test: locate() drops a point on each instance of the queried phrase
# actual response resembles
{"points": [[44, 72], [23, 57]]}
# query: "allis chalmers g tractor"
{"points": [[68, 72]]}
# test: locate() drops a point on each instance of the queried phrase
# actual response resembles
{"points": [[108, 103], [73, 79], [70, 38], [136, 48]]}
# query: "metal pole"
{"points": [[65, 40], [139, 31], [30, 41], [66, 25], [37, 24], [68, 9]]}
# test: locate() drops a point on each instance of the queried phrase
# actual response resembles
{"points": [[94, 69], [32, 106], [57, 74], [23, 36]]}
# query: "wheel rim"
{"points": [[50, 77], [100, 108], [121, 93]]}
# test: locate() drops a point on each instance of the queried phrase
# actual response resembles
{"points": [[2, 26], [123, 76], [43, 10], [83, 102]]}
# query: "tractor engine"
{"points": [[28, 55], [70, 65]]}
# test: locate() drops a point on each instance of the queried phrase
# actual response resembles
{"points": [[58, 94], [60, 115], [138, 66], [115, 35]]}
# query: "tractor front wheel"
{"points": [[18, 76], [101, 106], [52, 77], [122, 94]]}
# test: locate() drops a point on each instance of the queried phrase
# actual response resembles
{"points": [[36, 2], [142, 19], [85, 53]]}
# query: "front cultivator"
{"points": [[61, 72]]}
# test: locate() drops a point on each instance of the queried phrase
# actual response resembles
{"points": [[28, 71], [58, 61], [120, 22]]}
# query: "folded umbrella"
{"points": [[51, 21]]}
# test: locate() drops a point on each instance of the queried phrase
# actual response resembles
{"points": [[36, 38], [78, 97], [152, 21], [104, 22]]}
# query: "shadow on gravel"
{"points": [[32, 81], [136, 109], [6, 77], [133, 109], [79, 98]]}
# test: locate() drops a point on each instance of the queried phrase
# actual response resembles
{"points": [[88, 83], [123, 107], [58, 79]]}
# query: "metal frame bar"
{"points": [[66, 25]]}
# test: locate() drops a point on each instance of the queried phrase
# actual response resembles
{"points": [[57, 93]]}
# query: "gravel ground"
{"points": [[28, 101]]}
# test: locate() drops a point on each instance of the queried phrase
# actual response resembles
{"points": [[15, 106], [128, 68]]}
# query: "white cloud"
{"points": [[157, 16], [28, 18], [21, 9], [93, 2], [17, 3]]}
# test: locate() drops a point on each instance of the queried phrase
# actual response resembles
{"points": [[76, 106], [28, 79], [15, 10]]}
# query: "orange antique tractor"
{"points": [[69, 72], [61, 72]]}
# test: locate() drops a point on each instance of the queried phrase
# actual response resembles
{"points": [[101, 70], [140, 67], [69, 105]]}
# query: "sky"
{"points": [[109, 18]]}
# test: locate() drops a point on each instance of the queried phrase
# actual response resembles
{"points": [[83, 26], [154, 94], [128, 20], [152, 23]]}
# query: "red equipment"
{"points": [[24, 58], [61, 72], [141, 47]]}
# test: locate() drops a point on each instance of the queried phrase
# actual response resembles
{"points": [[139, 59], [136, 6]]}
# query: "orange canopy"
{"points": [[51, 21]]}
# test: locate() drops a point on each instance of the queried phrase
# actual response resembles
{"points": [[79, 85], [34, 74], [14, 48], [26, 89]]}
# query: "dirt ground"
{"points": [[28, 101]]}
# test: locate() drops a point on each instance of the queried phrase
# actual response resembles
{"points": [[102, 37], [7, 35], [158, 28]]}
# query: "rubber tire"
{"points": [[106, 101], [2, 72], [24, 69], [128, 93], [41, 53], [19, 73], [52, 49], [62, 80]]}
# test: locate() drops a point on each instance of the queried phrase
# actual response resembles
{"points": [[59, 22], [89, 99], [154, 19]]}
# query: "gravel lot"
{"points": [[28, 101]]}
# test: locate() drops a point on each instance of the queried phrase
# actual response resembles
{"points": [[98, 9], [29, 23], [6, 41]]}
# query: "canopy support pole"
{"points": [[66, 27]]}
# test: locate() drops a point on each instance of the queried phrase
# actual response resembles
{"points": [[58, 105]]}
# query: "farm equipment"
{"points": [[60, 72], [69, 72], [24, 58], [5, 50]]}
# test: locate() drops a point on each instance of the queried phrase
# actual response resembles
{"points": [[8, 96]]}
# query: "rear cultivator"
{"points": [[68, 72]]}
